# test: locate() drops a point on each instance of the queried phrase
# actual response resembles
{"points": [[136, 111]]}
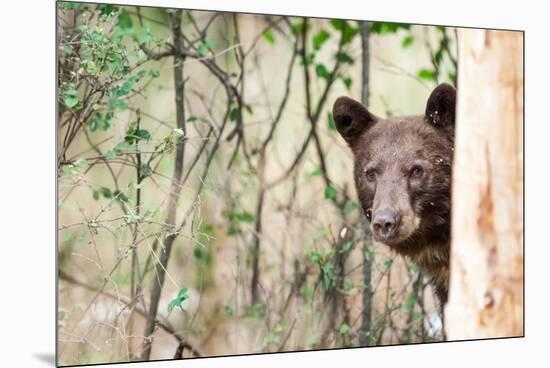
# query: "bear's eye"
{"points": [[417, 172], [371, 175]]}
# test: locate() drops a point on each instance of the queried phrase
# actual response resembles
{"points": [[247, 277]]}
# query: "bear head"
{"points": [[402, 169]]}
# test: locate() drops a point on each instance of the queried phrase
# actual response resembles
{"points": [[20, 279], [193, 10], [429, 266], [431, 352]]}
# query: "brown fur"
{"points": [[405, 164]]}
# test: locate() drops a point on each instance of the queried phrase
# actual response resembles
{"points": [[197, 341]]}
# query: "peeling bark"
{"points": [[486, 285]]}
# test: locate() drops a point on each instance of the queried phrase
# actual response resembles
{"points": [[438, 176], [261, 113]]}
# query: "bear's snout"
{"points": [[385, 224]]}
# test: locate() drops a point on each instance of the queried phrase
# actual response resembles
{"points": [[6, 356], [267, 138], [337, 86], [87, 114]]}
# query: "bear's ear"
{"points": [[440, 109], [351, 118]]}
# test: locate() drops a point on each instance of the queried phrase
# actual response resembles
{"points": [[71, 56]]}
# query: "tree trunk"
{"points": [[175, 190], [486, 284], [366, 314]]}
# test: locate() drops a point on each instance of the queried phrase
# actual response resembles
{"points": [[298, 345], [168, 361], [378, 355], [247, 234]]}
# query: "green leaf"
{"points": [[203, 47], [344, 57], [125, 21], [106, 192], [245, 217], [308, 60], [407, 41], [410, 301], [70, 97], [154, 73], [278, 328], [107, 10], [120, 196], [268, 35], [67, 170], [307, 293], [90, 66], [110, 155], [197, 252], [347, 82], [322, 71], [68, 237], [348, 32], [350, 207], [141, 55], [313, 340], [192, 119], [121, 104], [330, 192], [68, 49], [368, 254], [107, 120], [315, 256], [452, 76], [271, 338], [320, 38], [331, 123], [327, 269], [427, 74], [142, 134], [316, 172], [346, 247], [344, 329], [126, 87], [95, 120], [116, 103], [210, 43], [383, 27], [297, 27], [387, 263], [234, 114], [338, 24], [146, 170], [255, 310], [348, 35], [232, 231], [229, 311], [348, 286], [180, 298], [438, 56], [81, 165], [95, 194], [70, 5]]}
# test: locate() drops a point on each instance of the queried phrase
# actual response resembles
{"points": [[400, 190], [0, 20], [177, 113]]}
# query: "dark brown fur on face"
{"points": [[402, 171]]}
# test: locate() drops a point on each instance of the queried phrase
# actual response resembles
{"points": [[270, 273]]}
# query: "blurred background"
{"points": [[206, 203]]}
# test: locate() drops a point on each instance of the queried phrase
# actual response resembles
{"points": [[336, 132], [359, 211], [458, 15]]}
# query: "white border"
{"points": [[28, 175]]}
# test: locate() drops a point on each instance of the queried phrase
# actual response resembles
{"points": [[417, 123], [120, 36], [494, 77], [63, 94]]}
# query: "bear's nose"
{"points": [[385, 223]]}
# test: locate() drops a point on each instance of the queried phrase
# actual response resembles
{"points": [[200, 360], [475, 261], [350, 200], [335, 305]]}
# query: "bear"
{"points": [[403, 175]]}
